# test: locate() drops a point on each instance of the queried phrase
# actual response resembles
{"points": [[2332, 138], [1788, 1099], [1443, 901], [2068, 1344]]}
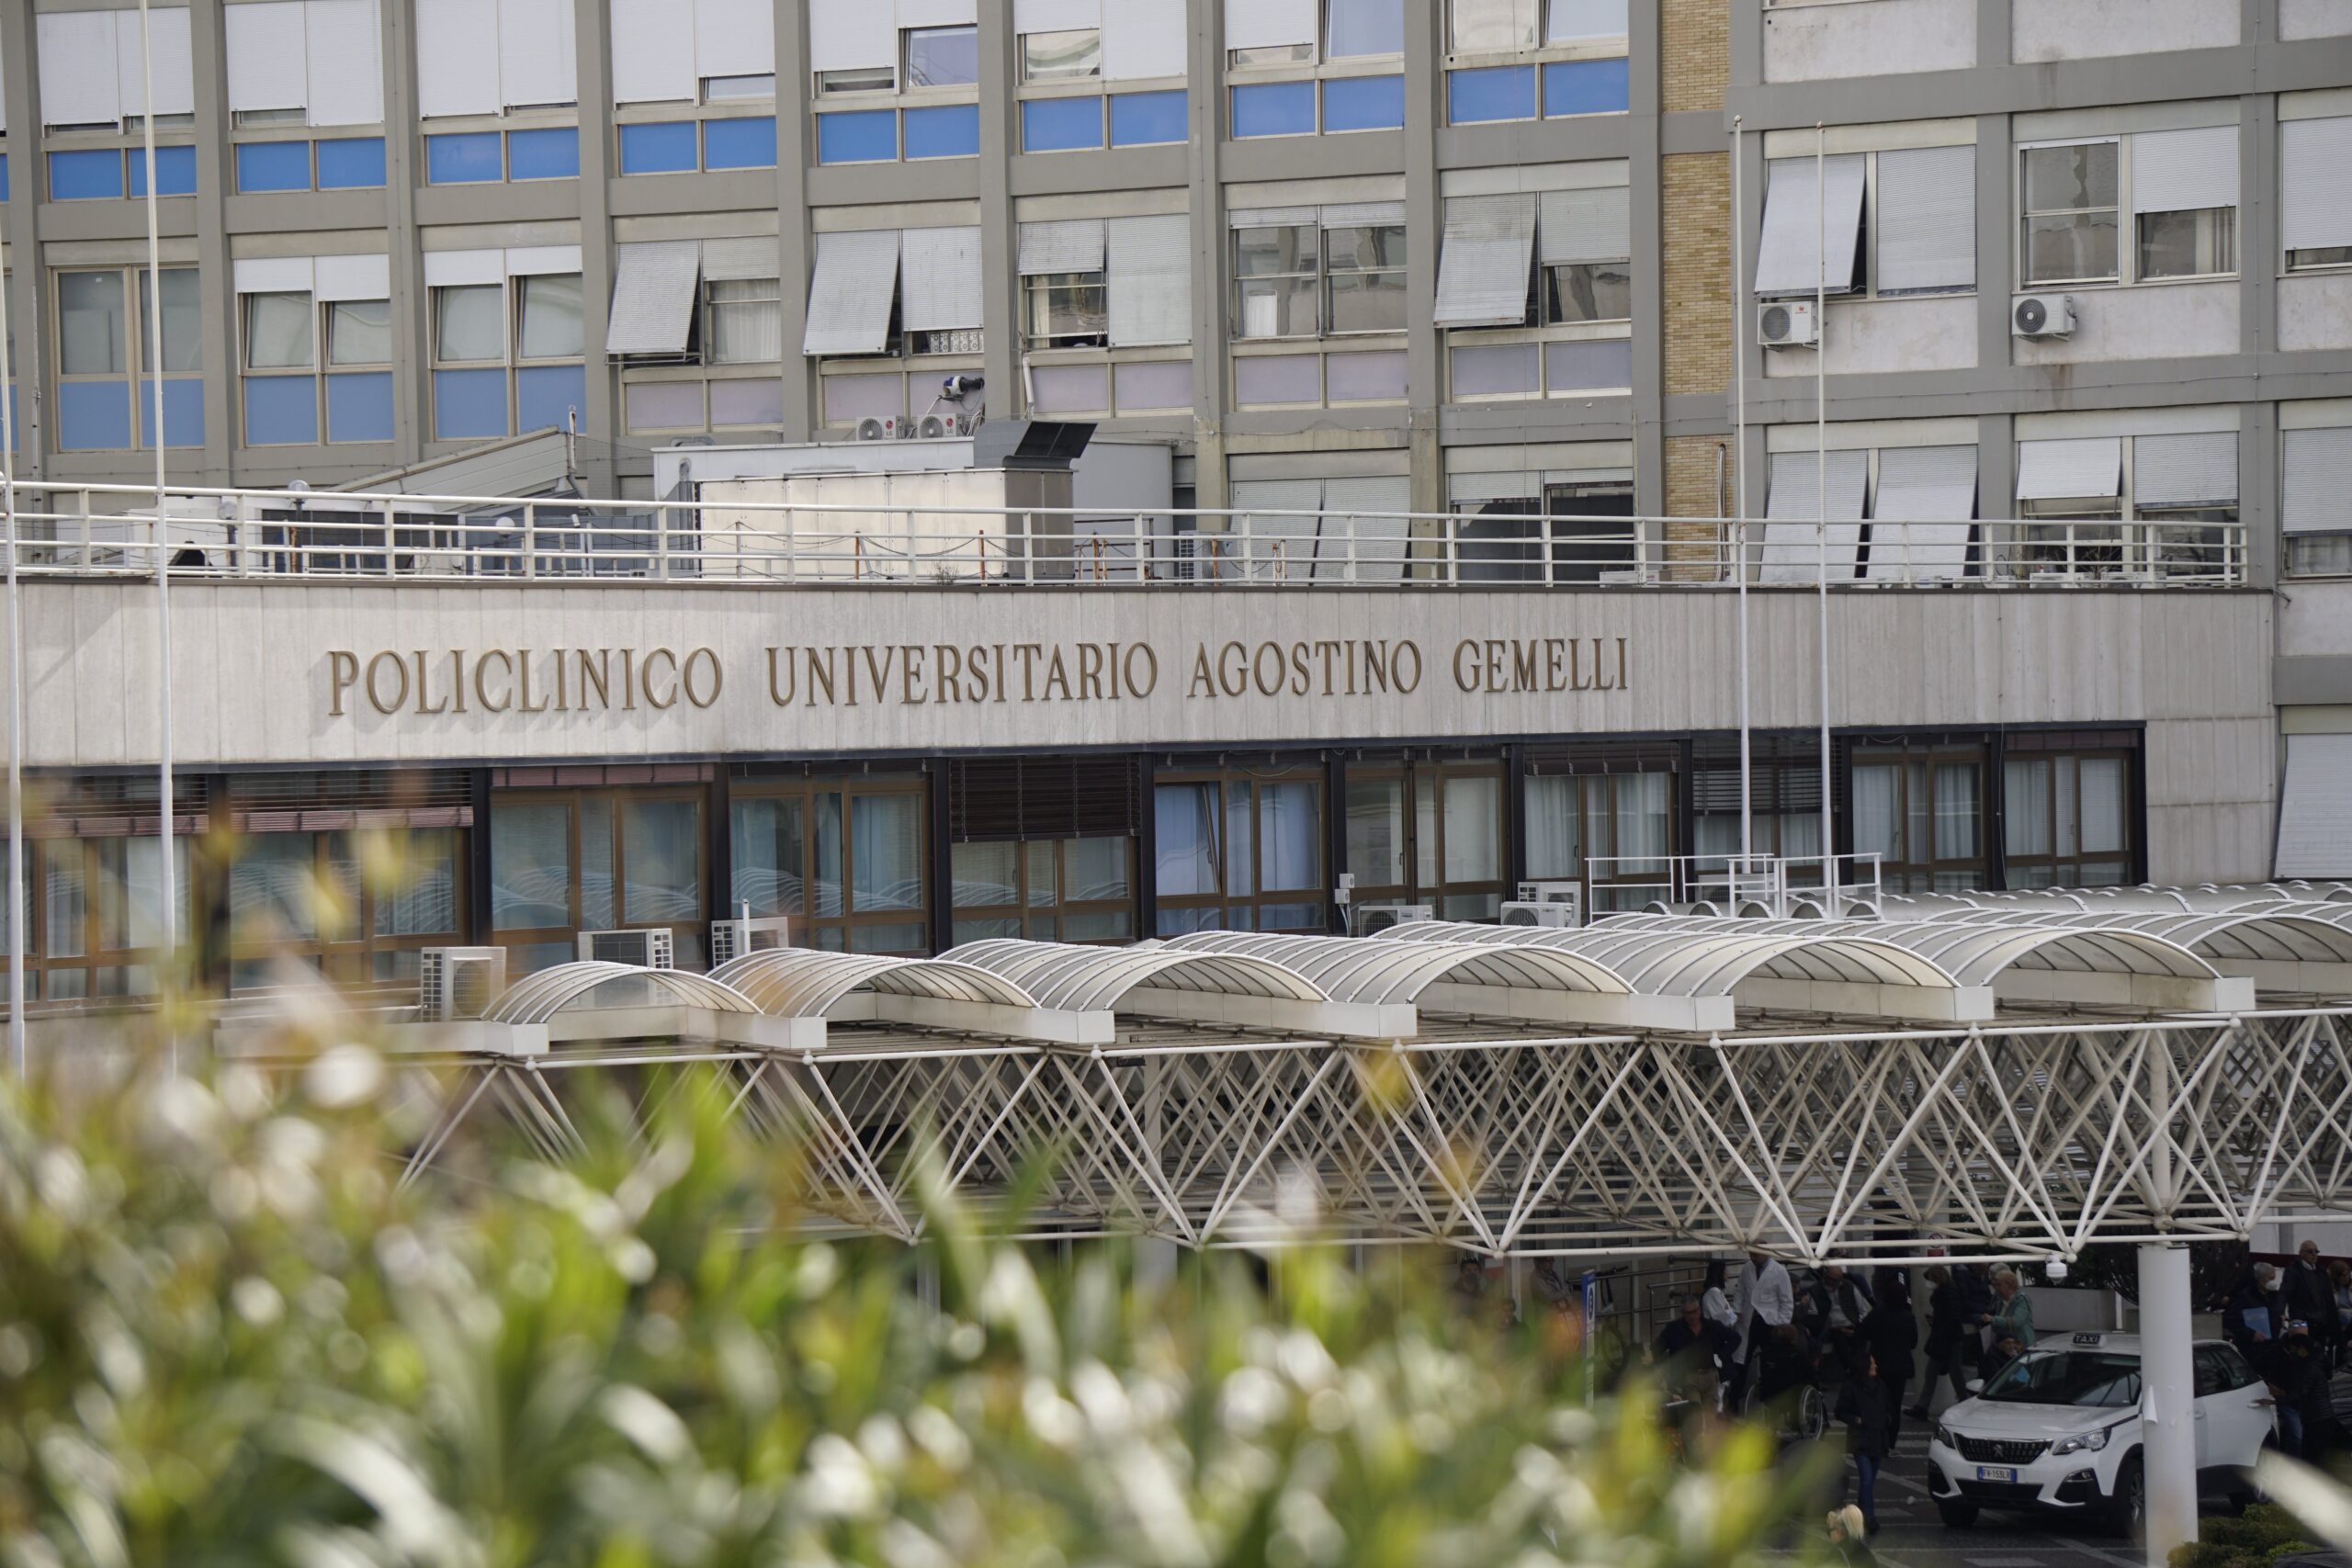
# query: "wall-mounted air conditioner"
{"points": [[1371, 920], [648, 947], [746, 933], [1551, 916], [1551, 893], [2042, 315], [458, 982], [1787, 323]]}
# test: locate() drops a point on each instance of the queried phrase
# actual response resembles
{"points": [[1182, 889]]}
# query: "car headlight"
{"points": [[1943, 1435], [2082, 1443]]}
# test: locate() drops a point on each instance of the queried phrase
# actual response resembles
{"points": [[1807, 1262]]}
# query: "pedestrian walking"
{"points": [[1862, 1406], [1946, 1331], [1892, 1330]]}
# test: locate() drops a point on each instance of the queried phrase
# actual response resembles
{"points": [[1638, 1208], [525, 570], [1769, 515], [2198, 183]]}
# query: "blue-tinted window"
{"points": [[665, 149], [94, 416], [84, 176], [4, 176], [1498, 92], [468, 159], [738, 143], [545, 395], [351, 163], [868, 136], [175, 171], [273, 166], [1363, 103], [1147, 119], [550, 154], [281, 410], [1275, 109], [183, 406], [1585, 86], [1060, 125], [468, 404], [951, 130], [360, 407]]}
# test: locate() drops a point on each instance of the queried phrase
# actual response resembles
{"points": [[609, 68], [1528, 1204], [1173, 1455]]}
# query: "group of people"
{"points": [[1752, 1338], [2295, 1327]]}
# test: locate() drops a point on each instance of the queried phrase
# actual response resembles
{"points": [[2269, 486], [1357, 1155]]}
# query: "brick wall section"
{"points": [[1695, 49], [1695, 217]]}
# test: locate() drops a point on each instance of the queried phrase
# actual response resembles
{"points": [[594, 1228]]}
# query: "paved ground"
{"points": [[1912, 1536]]}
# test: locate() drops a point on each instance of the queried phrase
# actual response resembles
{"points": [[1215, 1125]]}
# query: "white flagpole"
{"points": [[1739, 493], [166, 872], [1834, 905], [17, 1049]]}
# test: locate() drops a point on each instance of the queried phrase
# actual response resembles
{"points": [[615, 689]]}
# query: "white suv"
{"points": [[2058, 1429]]}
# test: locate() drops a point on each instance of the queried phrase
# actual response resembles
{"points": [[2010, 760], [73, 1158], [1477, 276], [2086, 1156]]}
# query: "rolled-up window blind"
{"points": [[2316, 182], [1149, 267], [2319, 481], [2185, 470], [2181, 171], [1069, 245], [1586, 225]]}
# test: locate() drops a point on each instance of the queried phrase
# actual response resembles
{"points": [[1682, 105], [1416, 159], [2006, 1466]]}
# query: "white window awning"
{"points": [[1791, 551], [1069, 245], [940, 286], [2184, 171], [2316, 182], [1926, 496], [1486, 262], [1148, 266], [1796, 231], [1593, 225], [1926, 220], [2185, 470], [2318, 498], [2316, 808], [2088, 469], [849, 299], [653, 298]]}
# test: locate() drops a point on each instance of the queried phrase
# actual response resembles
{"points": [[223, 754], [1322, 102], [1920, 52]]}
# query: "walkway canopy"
{"points": [[2045, 960], [1796, 965], [930, 993], [1161, 980], [2302, 948], [591, 1001]]}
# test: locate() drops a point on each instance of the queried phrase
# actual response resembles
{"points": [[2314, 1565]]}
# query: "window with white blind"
{"points": [[1895, 514], [2315, 193], [507, 341], [1288, 76], [2138, 503], [1899, 222], [1106, 313], [1536, 288], [2178, 188], [316, 357], [2315, 512], [892, 312]]}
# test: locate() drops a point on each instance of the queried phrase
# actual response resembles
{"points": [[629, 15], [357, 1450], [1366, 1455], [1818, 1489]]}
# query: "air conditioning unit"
{"points": [[648, 947], [873, 429], [1552, 917], [1787, 323], [458, 982], [1371, 920], [2042, 315], [732, 939], [1551, 893], [932, 427]]}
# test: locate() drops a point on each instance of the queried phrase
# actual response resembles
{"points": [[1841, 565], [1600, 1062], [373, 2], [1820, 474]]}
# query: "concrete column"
{"points": [[1424, 221], [1205, 177], [795, 249], [2168, 1450], [1000, 254]]}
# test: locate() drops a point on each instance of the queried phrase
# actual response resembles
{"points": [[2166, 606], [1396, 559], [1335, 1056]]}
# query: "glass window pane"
{"points": [[92, 331], [662, 854], [183, 319], [886, 851], [2105, 805], [1290, 850], [2188, 245], [1474, 818], [1483, 26], [1365, 26], [551, 317], [66, 901], [1376, 831], [1877, 828], [422, 898], [1240, 839], [359, 331], [2026, 807], [766, 846], [597, 904], [2078, 246], [987, 876], [1367, 301], [1589, 291], [1266, 253], [1555, 828], [1057, 57], [943, 57], [746, 321], [1096, 870], [1043, 878], [470, 322], [273, 889], [1184, 818], [2064, 179], [530, 866], [1956, 810], [277, 331]]}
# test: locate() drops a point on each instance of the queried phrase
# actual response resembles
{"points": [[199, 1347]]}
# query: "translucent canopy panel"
{"points": [[594, 1002], [1796, 965], [930, 993], [2302, 948], [1160, 980]]}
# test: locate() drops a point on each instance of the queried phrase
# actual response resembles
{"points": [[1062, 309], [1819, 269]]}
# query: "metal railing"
{"points": [[100, 530], [1775, 886]]}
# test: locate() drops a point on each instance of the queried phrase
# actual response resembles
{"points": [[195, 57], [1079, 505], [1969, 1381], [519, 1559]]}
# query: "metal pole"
{"points": [[1821, 493], [2168, 1441], [17, 1049], [167, 878], [1739, 491]]}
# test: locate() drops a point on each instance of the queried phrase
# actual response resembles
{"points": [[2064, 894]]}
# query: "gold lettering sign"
{"points": [[527, 683]]}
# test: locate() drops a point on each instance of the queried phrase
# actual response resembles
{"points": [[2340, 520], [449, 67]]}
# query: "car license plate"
{"points": [[1994, 1472]]}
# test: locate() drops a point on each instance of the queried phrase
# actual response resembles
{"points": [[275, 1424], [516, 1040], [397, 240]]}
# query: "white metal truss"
{"points": [[2021, 1140]]}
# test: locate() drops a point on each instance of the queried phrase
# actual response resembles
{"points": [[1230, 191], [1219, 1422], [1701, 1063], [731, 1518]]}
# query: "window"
{"points": [[1274, 272], [1545, 269], [1282, 84], [277, 331], [2315, 226], [943, 57], [2163, 522], [552, 319], [1531, 528], [2066, 812], [93, 906], [1069, 310], [1920, 806], [683, 146], [355, 163], [743, 320], [1079, 890], [2317, 501], [1432, 833], [478, 157], [1784, 791], [1364, 281], [2179, 186], [480, 391], [1603, 817], [1070, 56], [1900, 223], [568, 860], [354, 906], [104, 397], [731, 89], [1571, 58], [846, 862], [469, 324], [862, 79], [1303, 280], [1240, 849]]}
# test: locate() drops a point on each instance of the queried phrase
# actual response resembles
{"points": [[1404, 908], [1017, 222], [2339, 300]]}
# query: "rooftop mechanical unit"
{"points": [[455, 982], [746, 933], [647, 947], [1549, 915], [1372, 919]]}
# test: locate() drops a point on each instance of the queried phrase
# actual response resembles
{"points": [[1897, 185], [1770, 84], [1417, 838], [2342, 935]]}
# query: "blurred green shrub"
{"points": [[227, 1337]]}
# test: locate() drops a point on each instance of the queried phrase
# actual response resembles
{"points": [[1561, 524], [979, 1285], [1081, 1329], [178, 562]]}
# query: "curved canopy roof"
{"points": [[1160, 980], [1369, 969], [2281, 946], [539, 997], [807, 982]]}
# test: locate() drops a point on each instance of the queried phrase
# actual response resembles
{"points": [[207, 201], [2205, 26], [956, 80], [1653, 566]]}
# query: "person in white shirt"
{"points": [[1765, 1296]]}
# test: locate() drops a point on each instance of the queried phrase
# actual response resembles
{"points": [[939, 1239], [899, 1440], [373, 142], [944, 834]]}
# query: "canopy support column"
{"points": [[2169, 1446]]}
